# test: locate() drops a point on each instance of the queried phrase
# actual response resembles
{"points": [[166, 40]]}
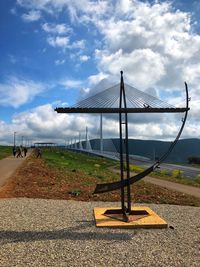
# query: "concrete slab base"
{"points": [[140, 217]]}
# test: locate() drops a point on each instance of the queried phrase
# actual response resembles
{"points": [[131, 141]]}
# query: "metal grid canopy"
{"points": [[118, 100]]}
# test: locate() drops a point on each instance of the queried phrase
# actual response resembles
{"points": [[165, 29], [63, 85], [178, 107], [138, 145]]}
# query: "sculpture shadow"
{"points": [[71, 233]]}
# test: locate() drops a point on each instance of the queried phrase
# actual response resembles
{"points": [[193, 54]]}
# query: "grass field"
{"points": [[176, 176], [69, 175], [82, 170], [5, 151], [88, 165]]}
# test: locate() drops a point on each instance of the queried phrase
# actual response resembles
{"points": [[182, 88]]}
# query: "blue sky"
{"points": [[55, 51]]}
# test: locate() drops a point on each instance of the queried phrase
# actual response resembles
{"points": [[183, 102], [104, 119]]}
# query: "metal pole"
{"points": [[127, 150], [101, 133], [79, 146], [14, 142], [121, 149], [127, 166], [86, 138], [22, 140]]}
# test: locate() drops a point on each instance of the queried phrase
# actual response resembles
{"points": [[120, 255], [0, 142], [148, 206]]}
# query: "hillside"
{"points": [[152, 149]]}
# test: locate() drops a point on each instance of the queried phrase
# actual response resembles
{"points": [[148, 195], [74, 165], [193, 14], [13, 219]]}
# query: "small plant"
{"points": [[194, 160], [97, 165], [197, 178], [75, 193], [136, 169], [177, 174], [101, 177], [164, 173]]}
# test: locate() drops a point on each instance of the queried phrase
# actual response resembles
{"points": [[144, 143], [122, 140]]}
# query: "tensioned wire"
{"points": [[104, 99], [141, 98], [109, 98]]}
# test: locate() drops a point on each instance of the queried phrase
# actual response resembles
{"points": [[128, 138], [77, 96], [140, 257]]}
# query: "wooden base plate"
{"points": [[140, 217]]}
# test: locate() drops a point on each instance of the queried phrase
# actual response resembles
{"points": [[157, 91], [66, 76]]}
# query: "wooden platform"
{"points": [[141, 217]]}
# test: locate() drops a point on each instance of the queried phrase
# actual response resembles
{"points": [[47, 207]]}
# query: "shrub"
{"points": [[135, 168], [197, 178], [177, 174], [194, 160]]}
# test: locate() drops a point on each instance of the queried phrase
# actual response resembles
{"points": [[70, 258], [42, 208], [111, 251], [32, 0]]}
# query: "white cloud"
{"points": [[69, 83], [142, 67], [74, 7], [153, 43], [64, 43], [16, 92], [165, 36], [32, 15], [162, 51], [61, 42], [84, 58], [59, 29], [59, 62], [95, 79], [80, 44], [44, 124]]}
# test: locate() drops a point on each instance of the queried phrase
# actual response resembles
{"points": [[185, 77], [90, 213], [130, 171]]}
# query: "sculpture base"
{"points": [[140, 217]]}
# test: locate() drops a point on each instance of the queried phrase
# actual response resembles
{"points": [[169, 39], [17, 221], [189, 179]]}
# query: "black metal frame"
{"points": [[122, 110], [125, 183], [124, 144]]}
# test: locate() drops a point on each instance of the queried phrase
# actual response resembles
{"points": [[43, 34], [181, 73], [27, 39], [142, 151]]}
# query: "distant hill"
{"points": [[184, 149]]}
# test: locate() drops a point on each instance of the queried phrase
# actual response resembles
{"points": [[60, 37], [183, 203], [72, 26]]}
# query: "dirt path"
{"points": [[186, 189], [7, 167]]}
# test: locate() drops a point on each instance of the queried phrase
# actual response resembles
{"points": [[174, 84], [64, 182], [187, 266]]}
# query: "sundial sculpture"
{"points": [[128, 100]]}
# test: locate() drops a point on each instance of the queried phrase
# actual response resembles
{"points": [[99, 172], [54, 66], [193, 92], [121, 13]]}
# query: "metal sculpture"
{"points": [[105, 102]]}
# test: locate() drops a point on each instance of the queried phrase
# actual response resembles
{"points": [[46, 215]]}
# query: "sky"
{"points": [[54, 52]]}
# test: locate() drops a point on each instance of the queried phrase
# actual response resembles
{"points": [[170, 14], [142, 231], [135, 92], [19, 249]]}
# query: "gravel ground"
{"points": [[38, 232]]}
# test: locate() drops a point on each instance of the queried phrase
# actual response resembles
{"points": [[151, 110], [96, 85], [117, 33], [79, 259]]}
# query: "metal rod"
{"points": [[14, 139], [127, 150], [122, 110], [126, 147], [101, 133], [127, 165], [121, 152]]}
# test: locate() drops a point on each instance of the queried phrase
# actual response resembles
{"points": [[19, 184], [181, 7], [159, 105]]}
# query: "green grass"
{"points": [[134, 168], [98, 167], [5, 151], [176, 176], [75, 175], [71, 161]]}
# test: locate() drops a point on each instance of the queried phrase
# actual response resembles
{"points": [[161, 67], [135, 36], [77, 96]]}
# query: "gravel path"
{"points": [[36, 232]]}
